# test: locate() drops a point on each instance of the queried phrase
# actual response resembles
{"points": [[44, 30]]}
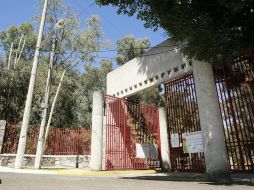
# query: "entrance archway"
{"points": [[166, 64]]}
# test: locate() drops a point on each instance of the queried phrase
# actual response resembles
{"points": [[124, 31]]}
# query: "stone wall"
{"points": [[69, 161], [2, 129]]}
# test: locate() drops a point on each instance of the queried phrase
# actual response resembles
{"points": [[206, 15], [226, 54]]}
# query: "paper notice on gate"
{"points": [[154, 152], [147, 151], [141, 151], [194, 142], [175, 140]]}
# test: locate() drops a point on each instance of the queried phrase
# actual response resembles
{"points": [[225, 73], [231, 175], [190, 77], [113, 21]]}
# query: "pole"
{"points": [[10, 55], [20, 53], [52, 109], [17, 51], [26, 116], [39, 150]]}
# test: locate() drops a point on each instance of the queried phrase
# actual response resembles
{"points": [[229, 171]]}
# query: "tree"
{"points": [[212, 30], [13, 34], [77, 98], [75, 46], [128, 48], [13, 83], [93, 79]]}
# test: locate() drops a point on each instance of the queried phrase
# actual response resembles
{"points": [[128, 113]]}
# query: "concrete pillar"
{"points": [[2, 130], [211, 122], [165, 154], [104, 144], [97, 132]]}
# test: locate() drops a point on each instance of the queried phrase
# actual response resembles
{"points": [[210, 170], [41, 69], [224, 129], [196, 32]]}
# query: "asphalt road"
{"points": [[14, 181]]}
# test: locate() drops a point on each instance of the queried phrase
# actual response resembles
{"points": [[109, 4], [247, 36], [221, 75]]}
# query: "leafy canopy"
{"points": [[213, 30], [128, 48], [75, 45]]}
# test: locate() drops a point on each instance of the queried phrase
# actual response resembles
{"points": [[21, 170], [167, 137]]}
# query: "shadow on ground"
{"points": [[239, 179]]}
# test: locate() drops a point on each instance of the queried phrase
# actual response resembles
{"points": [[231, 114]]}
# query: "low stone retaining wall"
{"points": [[71, 161]]}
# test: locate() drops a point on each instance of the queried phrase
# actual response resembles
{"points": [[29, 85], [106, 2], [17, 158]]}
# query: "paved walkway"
{"points": [[14, 180], [71, 171]]}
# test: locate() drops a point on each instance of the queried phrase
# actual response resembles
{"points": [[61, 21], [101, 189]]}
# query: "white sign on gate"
{"points": [[194, 142], [174, 140], [147, 151]]}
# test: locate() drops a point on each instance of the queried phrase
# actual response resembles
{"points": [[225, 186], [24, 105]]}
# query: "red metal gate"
{"points": [[183, 117], [235, 89], [132, 135]]}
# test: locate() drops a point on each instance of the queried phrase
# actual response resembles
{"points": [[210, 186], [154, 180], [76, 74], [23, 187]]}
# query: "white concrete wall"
{"points": [[162, 63]]}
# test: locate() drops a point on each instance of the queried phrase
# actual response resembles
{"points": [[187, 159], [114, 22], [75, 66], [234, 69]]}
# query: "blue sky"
{"points": [[114, 26]]}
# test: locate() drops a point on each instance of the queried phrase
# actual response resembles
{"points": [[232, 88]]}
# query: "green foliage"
{"points": [[13, 34], [75, 45], [213, 30], [128, 48], [13, 89], [94, 79], [13, 83]]}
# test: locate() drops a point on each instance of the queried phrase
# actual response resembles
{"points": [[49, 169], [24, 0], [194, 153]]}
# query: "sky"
{"points": [[114, 26]]}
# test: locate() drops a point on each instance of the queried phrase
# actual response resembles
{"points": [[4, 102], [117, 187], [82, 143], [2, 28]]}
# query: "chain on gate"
{"points": [[132, 135]]}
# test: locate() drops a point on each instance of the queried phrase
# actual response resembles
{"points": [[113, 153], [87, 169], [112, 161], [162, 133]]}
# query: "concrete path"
{"points": [[25, 171], [172, 181], [71, 171], [13, 181]]}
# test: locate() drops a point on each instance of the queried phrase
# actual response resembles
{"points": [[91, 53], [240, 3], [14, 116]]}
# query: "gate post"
{"points": [[211, 122], [2, 131], [97, 132], [165, 154], [104, 137]]}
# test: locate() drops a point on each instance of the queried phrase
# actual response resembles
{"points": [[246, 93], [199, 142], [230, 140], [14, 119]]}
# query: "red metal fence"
{"points": [[235, 89], [61, 141], [183, 117], [67, 141], [11, 139], [132, 135]]}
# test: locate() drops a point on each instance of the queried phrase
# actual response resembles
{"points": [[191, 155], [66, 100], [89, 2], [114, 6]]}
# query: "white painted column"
{"points": [[104, 143], [97, 132], [211, 122], [165, 154], [2, 131]]}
